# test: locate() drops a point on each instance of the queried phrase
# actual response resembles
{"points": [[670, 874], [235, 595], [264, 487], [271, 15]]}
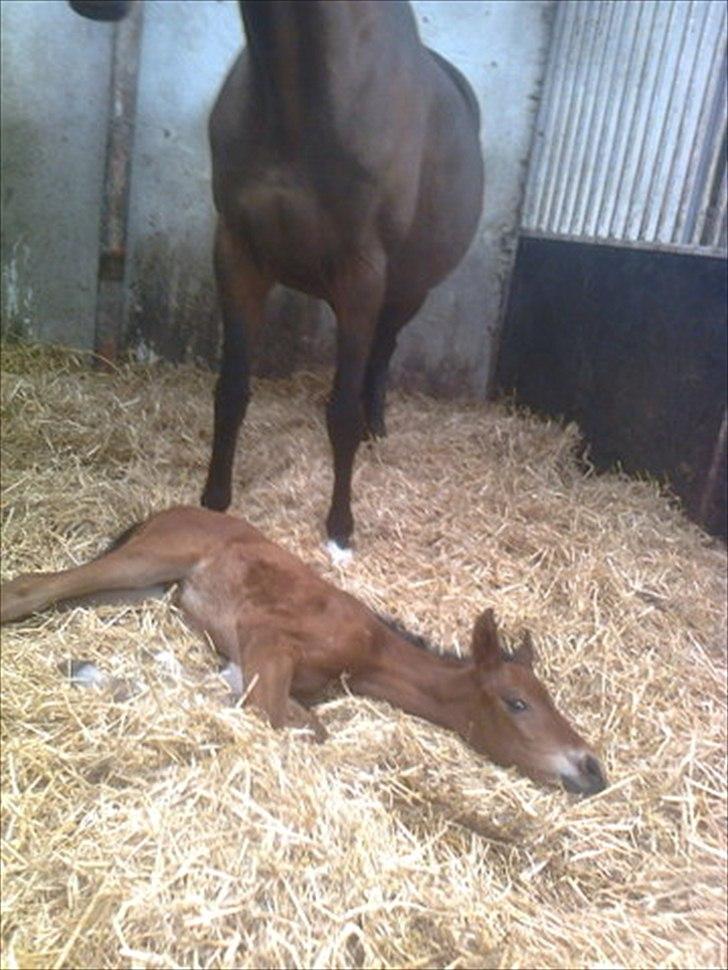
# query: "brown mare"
{"points": [[346, 164], [293, 634]]}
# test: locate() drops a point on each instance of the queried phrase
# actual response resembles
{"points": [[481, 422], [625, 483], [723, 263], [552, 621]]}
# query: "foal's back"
{"points": [[236, 584]]}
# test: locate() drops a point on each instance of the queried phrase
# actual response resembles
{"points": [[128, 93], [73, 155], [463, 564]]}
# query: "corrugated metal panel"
{"points": [[630, 143]]}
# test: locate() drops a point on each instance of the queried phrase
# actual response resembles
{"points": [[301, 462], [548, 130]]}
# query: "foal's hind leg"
{"points": [[122, 569], [242, 291], [391, 320]]}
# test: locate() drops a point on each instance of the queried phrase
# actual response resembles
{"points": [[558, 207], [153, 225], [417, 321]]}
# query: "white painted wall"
{"points": [[54, 102], [187, 47]]}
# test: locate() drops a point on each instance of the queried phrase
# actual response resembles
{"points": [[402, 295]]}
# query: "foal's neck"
{"points": [[420, 682]]}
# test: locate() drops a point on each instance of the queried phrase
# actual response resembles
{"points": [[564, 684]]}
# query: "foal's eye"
{"points": [[516, 704]]}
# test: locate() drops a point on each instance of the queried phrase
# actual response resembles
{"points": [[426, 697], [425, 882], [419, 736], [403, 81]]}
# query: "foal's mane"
{"points": [[422, 643]]}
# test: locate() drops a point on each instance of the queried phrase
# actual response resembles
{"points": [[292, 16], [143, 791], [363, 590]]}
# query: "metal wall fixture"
{"points": [[630, 141]]}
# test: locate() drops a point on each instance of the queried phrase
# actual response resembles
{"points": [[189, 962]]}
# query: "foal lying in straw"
{"points": [[293, 634]]}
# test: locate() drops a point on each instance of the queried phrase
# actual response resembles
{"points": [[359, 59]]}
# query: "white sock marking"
{"points": [[339, 555]]}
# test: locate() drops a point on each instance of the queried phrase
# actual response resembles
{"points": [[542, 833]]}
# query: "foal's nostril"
{"points": [[591, 767], [593, 778]]}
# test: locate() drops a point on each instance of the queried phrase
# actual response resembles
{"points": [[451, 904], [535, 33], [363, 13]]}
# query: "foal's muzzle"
{"points": [[587, 776]]}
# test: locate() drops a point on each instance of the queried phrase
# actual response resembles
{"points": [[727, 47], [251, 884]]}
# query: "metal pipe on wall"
{"points": [[110, 297]]}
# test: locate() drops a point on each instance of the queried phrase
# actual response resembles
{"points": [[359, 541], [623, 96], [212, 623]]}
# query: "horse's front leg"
{"points": [[356, 301], [242, 291]]}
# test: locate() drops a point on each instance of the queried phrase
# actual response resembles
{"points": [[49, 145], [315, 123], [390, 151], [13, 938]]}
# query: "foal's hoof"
{"points": [[83, 673], [233, 677], [339, 555], [313, 732]]}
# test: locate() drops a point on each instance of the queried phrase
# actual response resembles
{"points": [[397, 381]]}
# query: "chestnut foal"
{"points": [[293, 633]]}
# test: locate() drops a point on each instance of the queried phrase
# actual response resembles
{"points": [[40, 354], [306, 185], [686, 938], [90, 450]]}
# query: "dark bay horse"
{"points": [[346, 164], [293, 634]]}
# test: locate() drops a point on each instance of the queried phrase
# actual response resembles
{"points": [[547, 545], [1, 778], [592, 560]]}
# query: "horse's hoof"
{"points": [[339, 555], [169, 664], [216, 499], [374, 428]]}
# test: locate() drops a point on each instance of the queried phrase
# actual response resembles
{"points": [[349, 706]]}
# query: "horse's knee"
{"points": [[299, 717]]}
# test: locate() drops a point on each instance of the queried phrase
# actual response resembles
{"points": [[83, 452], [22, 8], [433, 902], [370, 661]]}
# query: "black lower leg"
{"points": [[232, 394], [345, 421], [392, 318], [375, 387]]}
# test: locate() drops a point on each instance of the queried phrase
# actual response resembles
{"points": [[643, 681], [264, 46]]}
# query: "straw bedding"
{"points": [[173, 829]]}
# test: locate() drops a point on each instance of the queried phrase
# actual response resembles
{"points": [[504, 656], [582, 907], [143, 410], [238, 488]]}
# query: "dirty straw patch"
{"points": [[173, 830]]}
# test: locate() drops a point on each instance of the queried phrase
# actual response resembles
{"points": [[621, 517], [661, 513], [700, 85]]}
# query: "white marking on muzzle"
{"points": [[566, 762]]}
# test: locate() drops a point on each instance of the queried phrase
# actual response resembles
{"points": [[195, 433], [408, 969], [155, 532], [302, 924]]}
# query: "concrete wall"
{"points": [[55, 79], [59, 81]]}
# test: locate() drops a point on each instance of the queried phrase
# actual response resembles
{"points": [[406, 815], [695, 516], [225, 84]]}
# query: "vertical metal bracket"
{"points": [[710, 496], [110, 300]]}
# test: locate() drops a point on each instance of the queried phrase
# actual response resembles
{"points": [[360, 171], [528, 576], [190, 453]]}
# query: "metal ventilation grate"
{"points": [[630, 142]]}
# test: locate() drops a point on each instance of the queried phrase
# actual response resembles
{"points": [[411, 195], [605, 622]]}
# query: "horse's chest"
{"points": [[293, 229]]}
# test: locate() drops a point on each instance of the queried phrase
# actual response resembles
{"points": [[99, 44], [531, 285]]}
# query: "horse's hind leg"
{"points": [[242, 291], [391, 320], [356, 300]]}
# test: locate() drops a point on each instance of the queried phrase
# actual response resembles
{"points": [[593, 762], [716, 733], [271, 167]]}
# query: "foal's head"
{"points": [[514, 721]]}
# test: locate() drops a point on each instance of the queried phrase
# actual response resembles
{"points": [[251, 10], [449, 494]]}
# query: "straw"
{"points": [[175, 829]]}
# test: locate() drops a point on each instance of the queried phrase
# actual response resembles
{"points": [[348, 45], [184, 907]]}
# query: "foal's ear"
{"points": [[526, 652], [486, 648]]}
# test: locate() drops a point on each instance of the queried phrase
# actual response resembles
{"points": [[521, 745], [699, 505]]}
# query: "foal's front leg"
{"points": [[268, 665]]}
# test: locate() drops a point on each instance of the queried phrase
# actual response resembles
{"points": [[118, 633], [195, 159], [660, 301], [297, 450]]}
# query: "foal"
{"points": [[292, 633]]}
